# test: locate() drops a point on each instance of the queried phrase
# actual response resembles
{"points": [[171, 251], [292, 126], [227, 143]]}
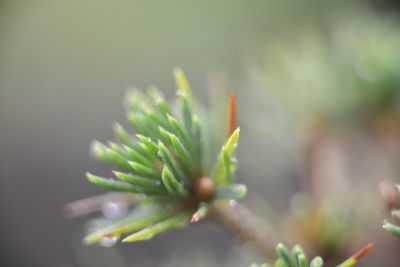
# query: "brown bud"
{"points": [[203, 188]]}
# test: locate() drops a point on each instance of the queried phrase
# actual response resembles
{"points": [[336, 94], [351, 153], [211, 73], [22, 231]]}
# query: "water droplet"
{"points": [[95, 225], [108, 241], [114, 210]]}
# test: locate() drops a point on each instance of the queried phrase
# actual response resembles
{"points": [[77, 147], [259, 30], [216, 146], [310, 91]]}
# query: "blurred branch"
{"points": [[93, 204], [245, 225]]}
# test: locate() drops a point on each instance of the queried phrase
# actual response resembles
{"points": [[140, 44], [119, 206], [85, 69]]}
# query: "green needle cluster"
{"points": [[390, 227], [294, 258], [164, 164], [297, 258]]}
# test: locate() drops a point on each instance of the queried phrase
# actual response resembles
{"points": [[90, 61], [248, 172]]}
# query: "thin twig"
{"points": [[95, 203], [245, 225]]}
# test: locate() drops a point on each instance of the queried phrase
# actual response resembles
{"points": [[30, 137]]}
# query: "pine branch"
{"points": [[163, 165], [391, 227], [297, 258], [245, 225]]}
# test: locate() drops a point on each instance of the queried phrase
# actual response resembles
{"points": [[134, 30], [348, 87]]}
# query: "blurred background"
{"points": [[318, 87]]}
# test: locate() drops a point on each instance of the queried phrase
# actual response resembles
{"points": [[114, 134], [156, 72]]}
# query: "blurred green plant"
{"points": [[166, 165], [348, 73], [294, 258], [391, 227], [297, 258], [345, 75], [311, 224]]}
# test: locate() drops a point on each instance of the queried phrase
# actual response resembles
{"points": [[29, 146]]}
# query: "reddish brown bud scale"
{"points": [[109, 235], [203, 188], [195, 218], [362, 252], [232, 115]]}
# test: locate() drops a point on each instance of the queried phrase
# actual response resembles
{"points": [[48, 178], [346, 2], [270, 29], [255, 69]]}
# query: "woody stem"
{"points": [[245, 225]]}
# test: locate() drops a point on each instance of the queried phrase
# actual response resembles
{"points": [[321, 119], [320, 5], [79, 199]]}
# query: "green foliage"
{"points": [[297, 258], [294, 258], [164, 165], [390, 227], [345, 73], [310, 222]]}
